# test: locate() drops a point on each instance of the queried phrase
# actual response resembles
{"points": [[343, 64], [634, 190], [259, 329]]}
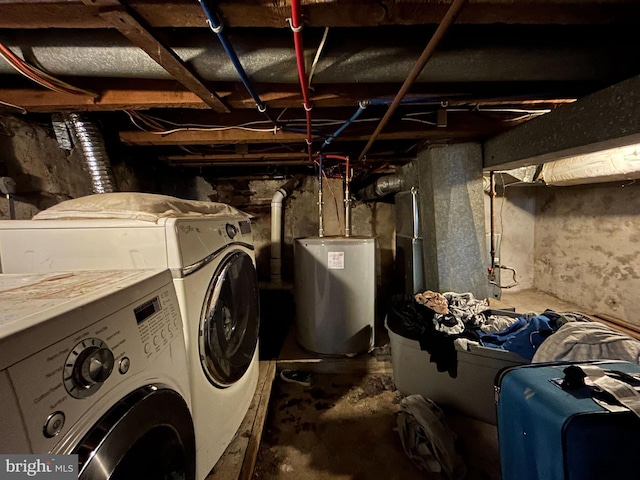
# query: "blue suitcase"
{"points": [[546, 432]]}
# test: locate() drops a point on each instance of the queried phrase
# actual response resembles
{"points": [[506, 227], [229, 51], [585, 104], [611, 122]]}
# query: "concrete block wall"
{"points": [[580, 244], [44, 174], [514, 217], [587, 247], [301, 218]]}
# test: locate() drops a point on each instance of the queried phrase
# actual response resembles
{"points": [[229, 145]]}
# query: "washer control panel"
{"points": [[158, 321], [58, 385]]}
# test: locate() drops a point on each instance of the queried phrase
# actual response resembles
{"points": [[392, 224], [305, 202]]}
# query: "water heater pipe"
{"points": [[276, 227], [347, 193], [296, 28], [320, 214]]}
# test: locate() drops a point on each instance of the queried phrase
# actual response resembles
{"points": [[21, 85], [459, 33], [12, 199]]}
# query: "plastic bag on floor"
{"points": [[426, 439]]}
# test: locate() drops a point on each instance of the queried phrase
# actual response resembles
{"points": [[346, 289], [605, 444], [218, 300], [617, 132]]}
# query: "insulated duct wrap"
{"points": [[89, 139], [381, 187]]}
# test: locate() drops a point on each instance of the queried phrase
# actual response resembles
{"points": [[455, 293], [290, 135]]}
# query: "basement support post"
{"points": [[452, 219]]}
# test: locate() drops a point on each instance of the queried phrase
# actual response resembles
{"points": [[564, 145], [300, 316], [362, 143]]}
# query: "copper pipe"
{"points": [[444, 25]]}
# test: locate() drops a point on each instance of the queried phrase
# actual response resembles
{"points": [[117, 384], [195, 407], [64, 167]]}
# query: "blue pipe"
{"points": [[216, 27], [361, 107]]}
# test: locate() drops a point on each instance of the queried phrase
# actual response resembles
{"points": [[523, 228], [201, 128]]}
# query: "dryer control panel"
{"points": [[67, 386]]}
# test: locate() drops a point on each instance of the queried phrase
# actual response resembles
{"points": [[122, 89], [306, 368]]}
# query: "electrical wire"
{"points": [[157, 128], [40, 77], [312, 70], [513, 271], [409, 119], [194, 125], [214, 129], [11, 105], [162, 131]]}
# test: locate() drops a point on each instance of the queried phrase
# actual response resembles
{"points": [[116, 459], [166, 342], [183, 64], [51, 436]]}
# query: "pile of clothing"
{"points": [[437, 320]]}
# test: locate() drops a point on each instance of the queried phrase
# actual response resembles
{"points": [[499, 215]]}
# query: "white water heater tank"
{"points": [[335, 287]]}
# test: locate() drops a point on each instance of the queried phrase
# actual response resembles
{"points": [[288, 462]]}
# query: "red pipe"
{"points": [[296, 26], [338, 157]]}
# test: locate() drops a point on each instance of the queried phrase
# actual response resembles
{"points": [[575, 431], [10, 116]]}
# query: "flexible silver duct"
{"points": [[89, 139]]}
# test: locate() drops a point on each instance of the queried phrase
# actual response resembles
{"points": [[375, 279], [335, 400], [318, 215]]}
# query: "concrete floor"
{"points": [[343, 426]]}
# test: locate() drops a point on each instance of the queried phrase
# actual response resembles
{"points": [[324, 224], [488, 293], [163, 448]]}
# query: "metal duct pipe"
{"points": [[89, 139], [276, 227], [381, 187]]}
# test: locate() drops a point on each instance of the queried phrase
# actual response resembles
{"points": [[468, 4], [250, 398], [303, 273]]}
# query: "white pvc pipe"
{"points": [[276, 235]]}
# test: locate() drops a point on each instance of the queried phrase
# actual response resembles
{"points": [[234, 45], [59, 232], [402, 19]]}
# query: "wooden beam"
{"points": [[213, 137], [346, 13], [144, 94], [238, 460], [267, 163], [240, 157], [119, 18]]}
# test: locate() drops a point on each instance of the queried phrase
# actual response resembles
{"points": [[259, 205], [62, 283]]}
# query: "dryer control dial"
{"points": [[87, 366], [232, 231]]}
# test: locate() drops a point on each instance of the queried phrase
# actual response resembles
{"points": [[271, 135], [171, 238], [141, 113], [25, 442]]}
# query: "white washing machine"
{"points": [[94, 364], [213, 266]]}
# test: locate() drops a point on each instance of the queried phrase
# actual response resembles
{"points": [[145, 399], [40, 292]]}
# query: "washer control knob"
{"points": [[87, 366], [96, 367], [124, 365], [53, 425]]}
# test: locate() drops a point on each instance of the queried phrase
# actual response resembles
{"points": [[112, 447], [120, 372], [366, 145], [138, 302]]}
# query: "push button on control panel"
{"points": [[124, 365], [53, 425]]}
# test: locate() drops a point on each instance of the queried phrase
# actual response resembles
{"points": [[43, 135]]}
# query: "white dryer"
{"points": [[213, 266], [94, 364]]}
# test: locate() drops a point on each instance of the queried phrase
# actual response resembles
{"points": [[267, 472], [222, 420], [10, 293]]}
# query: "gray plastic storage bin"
{"points": [[471, 392]]}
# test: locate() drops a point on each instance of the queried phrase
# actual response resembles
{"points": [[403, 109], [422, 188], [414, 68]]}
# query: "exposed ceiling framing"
{"points": [[502, 64]]}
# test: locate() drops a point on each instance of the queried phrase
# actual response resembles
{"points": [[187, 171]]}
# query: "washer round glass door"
{"points": [[230, 320]]}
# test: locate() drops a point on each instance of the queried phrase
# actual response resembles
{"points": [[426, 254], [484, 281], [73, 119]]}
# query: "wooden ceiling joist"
{"points": [[221, 137], [261, 159], [265, 163], [117, 16], [239, 157], [143, 95], [346, 13]]}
